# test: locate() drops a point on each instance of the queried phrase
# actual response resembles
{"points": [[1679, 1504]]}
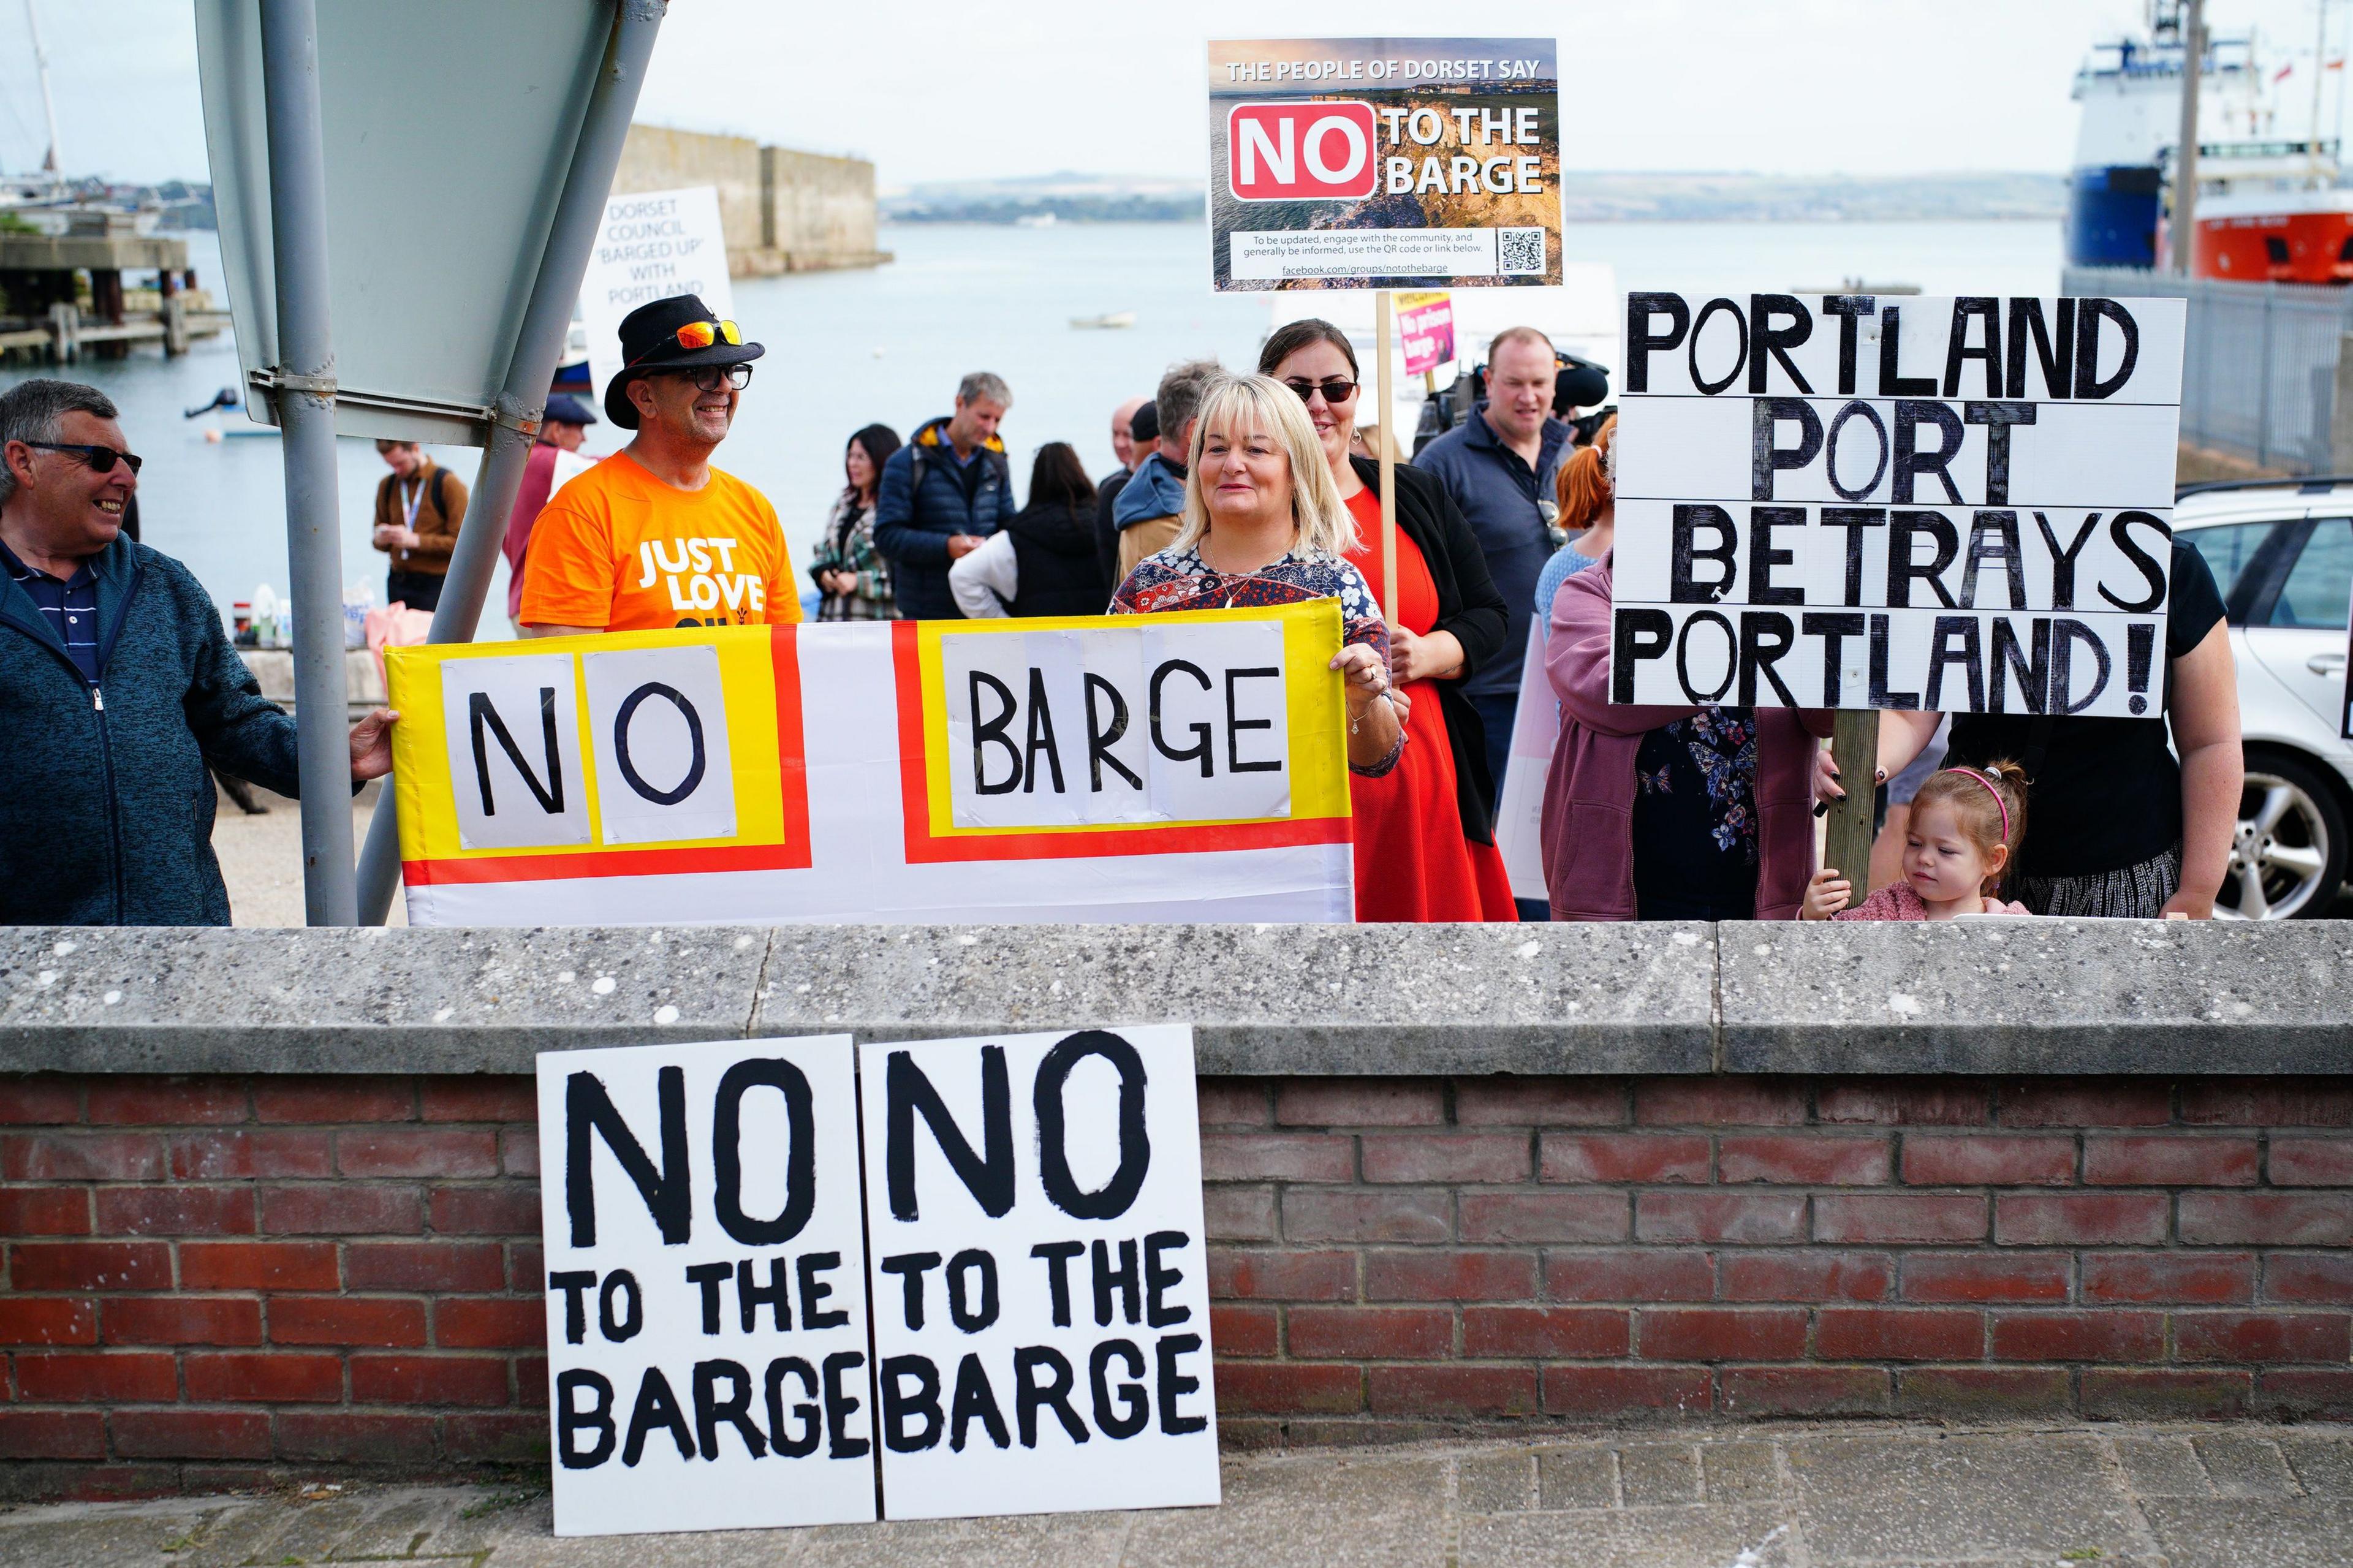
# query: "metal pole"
{"points": [[523, 399], [305, 400], [2185, 159]]}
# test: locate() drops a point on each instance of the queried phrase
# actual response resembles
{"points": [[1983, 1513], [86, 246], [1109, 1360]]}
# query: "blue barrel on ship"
{"points": [[2112, 216]]}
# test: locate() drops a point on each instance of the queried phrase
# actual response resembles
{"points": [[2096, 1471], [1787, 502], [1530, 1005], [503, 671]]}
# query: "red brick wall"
{"points": [[208, 1278]]}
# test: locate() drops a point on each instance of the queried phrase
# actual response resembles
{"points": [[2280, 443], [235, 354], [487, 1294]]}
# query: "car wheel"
{"points": [[2288, 854]]}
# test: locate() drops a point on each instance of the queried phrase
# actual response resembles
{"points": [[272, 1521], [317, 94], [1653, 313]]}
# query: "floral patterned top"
{"points": [[1695, 817], [1177, 580]]}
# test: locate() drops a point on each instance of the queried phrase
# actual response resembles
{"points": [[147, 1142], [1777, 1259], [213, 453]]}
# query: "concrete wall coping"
{"points": [[1972, 997]]}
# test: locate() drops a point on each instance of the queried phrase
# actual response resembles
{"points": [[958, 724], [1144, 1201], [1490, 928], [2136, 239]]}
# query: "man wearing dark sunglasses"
{"points": [[654, 536], [118, 687]]}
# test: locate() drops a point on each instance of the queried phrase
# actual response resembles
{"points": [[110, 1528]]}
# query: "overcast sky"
{"points": [[933, 90]]}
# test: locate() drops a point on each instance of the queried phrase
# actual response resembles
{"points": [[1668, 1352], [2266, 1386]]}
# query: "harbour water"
{"points": [[849, 348]]}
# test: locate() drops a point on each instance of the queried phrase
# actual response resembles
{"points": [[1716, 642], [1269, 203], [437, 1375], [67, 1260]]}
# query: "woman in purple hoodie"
{"points": [[1668, 814]]}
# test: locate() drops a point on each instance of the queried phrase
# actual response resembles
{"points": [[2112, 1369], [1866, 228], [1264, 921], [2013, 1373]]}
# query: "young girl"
{"points": [[1964, 832]]}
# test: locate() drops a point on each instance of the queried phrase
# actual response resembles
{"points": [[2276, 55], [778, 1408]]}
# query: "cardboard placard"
{"points": [[1384, 163], [1041, 1304], [706, 1293], [651, 244], [1117, 768], [1425, 324], [1961, 505]]}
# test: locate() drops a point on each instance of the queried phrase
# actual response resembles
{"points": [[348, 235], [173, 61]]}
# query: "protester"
{"points": [[1498, 464], [849, 572], [419, 507], [2125, 830], [562, 428], [1143, 430], [1965, 830], [944, 492], [1123, 436], [1148, 511], [1668, 813], [1262, 524], [1425, 838], [118, 689], [1042, 563], [1586, 493], [654, 536]]}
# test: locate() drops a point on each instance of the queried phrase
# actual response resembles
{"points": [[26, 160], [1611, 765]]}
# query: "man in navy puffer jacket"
{"points": [[117, 686], [941, 494]]}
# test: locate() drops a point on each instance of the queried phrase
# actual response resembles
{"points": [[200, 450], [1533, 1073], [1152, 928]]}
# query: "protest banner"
{"points": [[651, 244], [1384, 163], [1041, 1304], [1841, 502], [1426, 322], [706, 1287], [1113, 768]]}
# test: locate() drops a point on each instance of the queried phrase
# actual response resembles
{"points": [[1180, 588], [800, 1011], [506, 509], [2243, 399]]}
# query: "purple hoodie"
{"points": [[1589, 805]]}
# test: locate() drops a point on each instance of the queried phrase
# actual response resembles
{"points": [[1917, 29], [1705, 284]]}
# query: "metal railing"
{"points": [[2258, 366]]}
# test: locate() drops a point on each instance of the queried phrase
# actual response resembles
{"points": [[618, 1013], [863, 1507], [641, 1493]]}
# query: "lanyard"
{"points": [[415, 498]]}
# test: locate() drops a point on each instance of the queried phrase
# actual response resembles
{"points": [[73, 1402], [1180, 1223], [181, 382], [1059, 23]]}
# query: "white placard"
{"points": [[1843, 501], [1039, 1281], [1178, 723], [664, 772], [514, 733], [651, 244], [706, 1305]]}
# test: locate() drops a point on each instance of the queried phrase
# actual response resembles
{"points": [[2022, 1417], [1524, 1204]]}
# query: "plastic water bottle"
{"points": [[265, 617]]}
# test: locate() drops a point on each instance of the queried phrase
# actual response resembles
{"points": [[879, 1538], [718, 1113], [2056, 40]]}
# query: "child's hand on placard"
{"points": [[1826, 895]]}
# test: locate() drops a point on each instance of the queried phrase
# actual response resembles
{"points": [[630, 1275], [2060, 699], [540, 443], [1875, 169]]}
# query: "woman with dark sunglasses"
{"points": [[1425, 836]]}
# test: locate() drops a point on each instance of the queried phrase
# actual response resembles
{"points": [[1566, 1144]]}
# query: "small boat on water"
{"points": [[1110, 320]]}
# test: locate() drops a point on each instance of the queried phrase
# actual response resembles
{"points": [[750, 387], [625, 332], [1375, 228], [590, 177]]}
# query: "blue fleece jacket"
{"points": [[1154, 490], [925, 496], [106, 811]]}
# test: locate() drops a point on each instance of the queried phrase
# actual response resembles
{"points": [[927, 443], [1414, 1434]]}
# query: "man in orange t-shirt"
{"points": [[654, 536]]}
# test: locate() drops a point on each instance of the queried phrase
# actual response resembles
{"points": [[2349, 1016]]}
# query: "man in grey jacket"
{"points": [[117, 688]]}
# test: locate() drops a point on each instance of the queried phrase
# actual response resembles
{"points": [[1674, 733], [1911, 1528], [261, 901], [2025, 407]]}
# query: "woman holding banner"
{"points": [[1263, 525], [1658, 814], [1425, 838]]}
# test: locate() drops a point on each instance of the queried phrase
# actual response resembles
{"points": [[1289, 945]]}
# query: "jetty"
{"points": [[65, 295]]}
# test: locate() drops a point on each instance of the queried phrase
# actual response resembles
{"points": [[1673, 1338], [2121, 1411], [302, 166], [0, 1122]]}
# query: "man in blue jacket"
{"points": [[941, 494], [117, 686]]}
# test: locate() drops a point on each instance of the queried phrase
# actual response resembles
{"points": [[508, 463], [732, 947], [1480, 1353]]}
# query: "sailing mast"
{"points": [[49, 165]]}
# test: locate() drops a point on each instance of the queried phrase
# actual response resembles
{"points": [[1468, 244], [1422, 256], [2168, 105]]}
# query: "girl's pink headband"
{"points": [[1999, 804]]}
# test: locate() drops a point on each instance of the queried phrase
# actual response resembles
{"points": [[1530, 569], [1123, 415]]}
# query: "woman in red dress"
{"points": [[1425, 839]]}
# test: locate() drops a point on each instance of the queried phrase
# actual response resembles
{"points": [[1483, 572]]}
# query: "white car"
{"points": [[2282, 553]]}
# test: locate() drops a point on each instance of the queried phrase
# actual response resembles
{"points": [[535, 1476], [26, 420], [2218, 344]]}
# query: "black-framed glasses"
{"points": [[1336, 390], [707, 378], [102, 460]]}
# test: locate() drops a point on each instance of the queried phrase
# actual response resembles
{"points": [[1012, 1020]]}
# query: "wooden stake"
{"points": [[1854, 747], [1387, 405]]}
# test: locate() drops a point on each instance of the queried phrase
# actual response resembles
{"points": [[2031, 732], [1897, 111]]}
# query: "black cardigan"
{"points": [[1471, 607]]}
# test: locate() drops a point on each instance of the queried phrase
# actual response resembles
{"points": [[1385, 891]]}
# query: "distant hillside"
{"points": [[1588, 197]]}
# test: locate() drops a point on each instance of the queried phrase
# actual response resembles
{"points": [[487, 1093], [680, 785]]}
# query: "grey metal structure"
{"points": [[2259, 362], [305, 395], [522, 398]]}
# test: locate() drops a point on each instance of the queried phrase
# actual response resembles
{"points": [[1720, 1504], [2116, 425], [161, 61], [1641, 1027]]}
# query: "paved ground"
{"points": [[1814, 1496], [261, 858]]}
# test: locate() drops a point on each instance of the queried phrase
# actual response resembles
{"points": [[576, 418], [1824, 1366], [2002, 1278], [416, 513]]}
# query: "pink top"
{"points": [[1896, 902], [1589, 805], [538, 477]]}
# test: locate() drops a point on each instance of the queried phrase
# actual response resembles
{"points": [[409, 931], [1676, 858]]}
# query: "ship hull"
{"points": [[2276, 248]]}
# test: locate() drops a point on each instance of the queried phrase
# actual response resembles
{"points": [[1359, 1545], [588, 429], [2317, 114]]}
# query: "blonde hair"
{"points": [[1972, 793], [1586, 485], [1260, 403]]}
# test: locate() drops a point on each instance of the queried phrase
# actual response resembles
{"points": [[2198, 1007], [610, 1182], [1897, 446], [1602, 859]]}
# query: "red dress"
{"points": [[1413, 862]]}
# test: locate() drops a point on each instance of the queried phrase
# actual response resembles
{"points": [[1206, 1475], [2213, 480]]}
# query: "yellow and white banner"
{"points": [[1189, 767]]}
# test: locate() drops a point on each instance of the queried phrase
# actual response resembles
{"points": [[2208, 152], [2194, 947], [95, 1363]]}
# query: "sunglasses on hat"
{"points": [[702, 335]]}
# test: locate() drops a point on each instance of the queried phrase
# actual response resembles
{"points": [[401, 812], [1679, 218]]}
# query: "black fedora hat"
{"points": [[649, 343]]}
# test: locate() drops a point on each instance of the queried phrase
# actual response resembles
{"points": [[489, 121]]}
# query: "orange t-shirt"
{"points": [[616, 547]]}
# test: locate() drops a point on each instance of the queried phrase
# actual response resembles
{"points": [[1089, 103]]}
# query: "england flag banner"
{"points": [[1187, 767], [1959, 505]]}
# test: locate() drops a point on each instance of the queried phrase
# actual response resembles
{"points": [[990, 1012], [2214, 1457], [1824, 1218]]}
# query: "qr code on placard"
{"points": [[1521, 251]]}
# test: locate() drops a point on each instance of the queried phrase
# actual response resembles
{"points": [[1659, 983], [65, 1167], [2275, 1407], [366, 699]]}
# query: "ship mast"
{"points": [[48, 106], [2184, 230]]}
